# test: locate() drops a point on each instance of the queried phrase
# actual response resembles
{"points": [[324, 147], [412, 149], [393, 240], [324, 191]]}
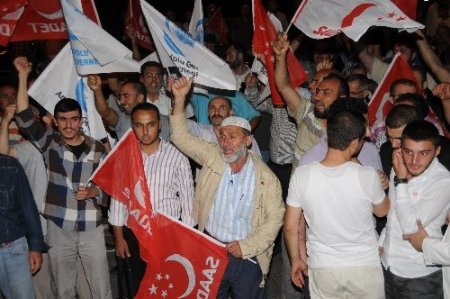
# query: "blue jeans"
{"points": [[15, 275], [242, 278]]}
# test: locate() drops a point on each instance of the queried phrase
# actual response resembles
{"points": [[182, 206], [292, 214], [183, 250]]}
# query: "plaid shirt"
{"points": [[65, 175]]}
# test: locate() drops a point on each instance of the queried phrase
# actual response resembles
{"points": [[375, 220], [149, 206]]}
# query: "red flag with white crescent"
{"points": [[135, 21]]}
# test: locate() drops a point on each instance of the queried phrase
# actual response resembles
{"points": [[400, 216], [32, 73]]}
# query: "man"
{"points": [[237, 199], [152, 76], [71, 207], [360, 86], [170, 183], [8, 94], [310, 117], [343, 256], [219, 108], [235, 57], [420, 182]]}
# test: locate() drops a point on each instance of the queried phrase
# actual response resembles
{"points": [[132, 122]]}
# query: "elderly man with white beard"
{"points": [[237, 199]]}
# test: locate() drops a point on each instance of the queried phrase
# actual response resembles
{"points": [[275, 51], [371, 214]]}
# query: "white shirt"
{"points": [[425, 197], [171, 186], [338, 204], [164, 104]]}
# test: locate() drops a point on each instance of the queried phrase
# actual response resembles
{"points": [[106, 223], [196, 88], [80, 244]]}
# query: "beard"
{"points": [[321, 115], [241, 152]]}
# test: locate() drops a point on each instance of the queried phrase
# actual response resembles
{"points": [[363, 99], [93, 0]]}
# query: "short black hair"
{"points": [[348, 104], [67, 105], [344, 90], [364, 82], [152, 64], [421, 130], [402, 81], [146, 107], [401, 115], [405, 39], [138, 86], [416, 100], [344, 127]]}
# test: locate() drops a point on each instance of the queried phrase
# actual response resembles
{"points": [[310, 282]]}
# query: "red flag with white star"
{"points": [[184, 263], [263, 36]]}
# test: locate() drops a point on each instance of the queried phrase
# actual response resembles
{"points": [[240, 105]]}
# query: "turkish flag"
{"points": [[216, 23], [263, 36], [135, 19], [380, 105], [39, 20], [182, 262], [409, 7]]}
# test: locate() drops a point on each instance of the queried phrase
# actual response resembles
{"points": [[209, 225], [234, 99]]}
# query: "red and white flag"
{"points": [[182, 262], [263, 36], [135, 19], [409, 7], [380, 105], [320, 19]]}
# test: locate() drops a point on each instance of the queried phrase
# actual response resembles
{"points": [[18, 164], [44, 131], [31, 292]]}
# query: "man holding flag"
{"points": [[237, 200]]}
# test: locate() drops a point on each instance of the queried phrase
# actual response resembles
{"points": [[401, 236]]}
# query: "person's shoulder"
{"points": [[8, 161]]}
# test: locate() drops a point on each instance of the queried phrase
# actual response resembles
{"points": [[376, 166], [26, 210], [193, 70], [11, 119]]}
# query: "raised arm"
{"points": [[443, 92], [282, 80], [108, 114], [23, 68]]}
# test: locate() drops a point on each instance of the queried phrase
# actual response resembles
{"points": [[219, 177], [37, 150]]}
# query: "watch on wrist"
{"points": [[398, 180]]}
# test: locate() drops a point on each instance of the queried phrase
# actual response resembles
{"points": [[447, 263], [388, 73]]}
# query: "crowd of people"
{"points": [[361, 208]]}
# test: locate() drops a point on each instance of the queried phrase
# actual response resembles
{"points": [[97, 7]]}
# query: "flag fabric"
{"points": [[263, 36], [38, 20], [60, 80], [379, 105], [409, 7], [94, 50], [135, 19], [182, 262], [196, 24], [216, 24], [352, 17], [191, 57]]}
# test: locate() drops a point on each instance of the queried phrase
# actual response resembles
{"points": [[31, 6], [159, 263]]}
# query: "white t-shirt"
{"points": [[337, 203]]}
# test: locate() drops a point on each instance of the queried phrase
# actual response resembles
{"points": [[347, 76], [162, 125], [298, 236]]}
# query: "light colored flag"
{"points": [[60, 80], [320, 19], [196, 24], [191, 57], [94, 50]]}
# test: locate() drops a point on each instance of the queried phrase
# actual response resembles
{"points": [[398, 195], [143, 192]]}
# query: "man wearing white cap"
{"points": [[237, 199]]}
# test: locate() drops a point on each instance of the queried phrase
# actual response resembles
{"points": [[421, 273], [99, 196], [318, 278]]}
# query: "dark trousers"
{"points": [[242, 279], [283, 173], [426, 287], [131, 269]]}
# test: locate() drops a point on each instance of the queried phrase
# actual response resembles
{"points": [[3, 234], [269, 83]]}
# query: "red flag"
{"points": [[135, 19], [409, 7], [40, 20], [380, 105], [217, 24], [10, 15], [182, 261], [263, 36]]}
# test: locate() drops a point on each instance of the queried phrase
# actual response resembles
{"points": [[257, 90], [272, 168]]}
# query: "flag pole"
{"points": [[299, 10]]}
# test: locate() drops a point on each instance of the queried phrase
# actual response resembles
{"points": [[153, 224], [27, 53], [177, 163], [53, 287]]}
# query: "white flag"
{"points": [[60, 80], [324, 18], [196, 24], [192, 58], [94, 50]]}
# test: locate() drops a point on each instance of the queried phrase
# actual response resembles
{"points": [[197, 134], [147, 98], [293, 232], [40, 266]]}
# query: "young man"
{"points": [[72, 208], [237, 200], [170, 183], [419, 191], [343, 254]]}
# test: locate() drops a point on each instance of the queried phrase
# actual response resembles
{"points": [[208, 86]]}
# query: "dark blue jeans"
{"points": [[242, 278]]}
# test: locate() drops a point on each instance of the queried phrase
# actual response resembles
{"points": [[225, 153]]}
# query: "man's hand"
{"points": [[398, 164], [9, 113], [35, 259], [22, 65], [442, 91], [383, 179], [234, 249], [85, 192], [122, 250], [94, 82], [281, 45], [181, 87], [299, 270], [416, 239]]}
